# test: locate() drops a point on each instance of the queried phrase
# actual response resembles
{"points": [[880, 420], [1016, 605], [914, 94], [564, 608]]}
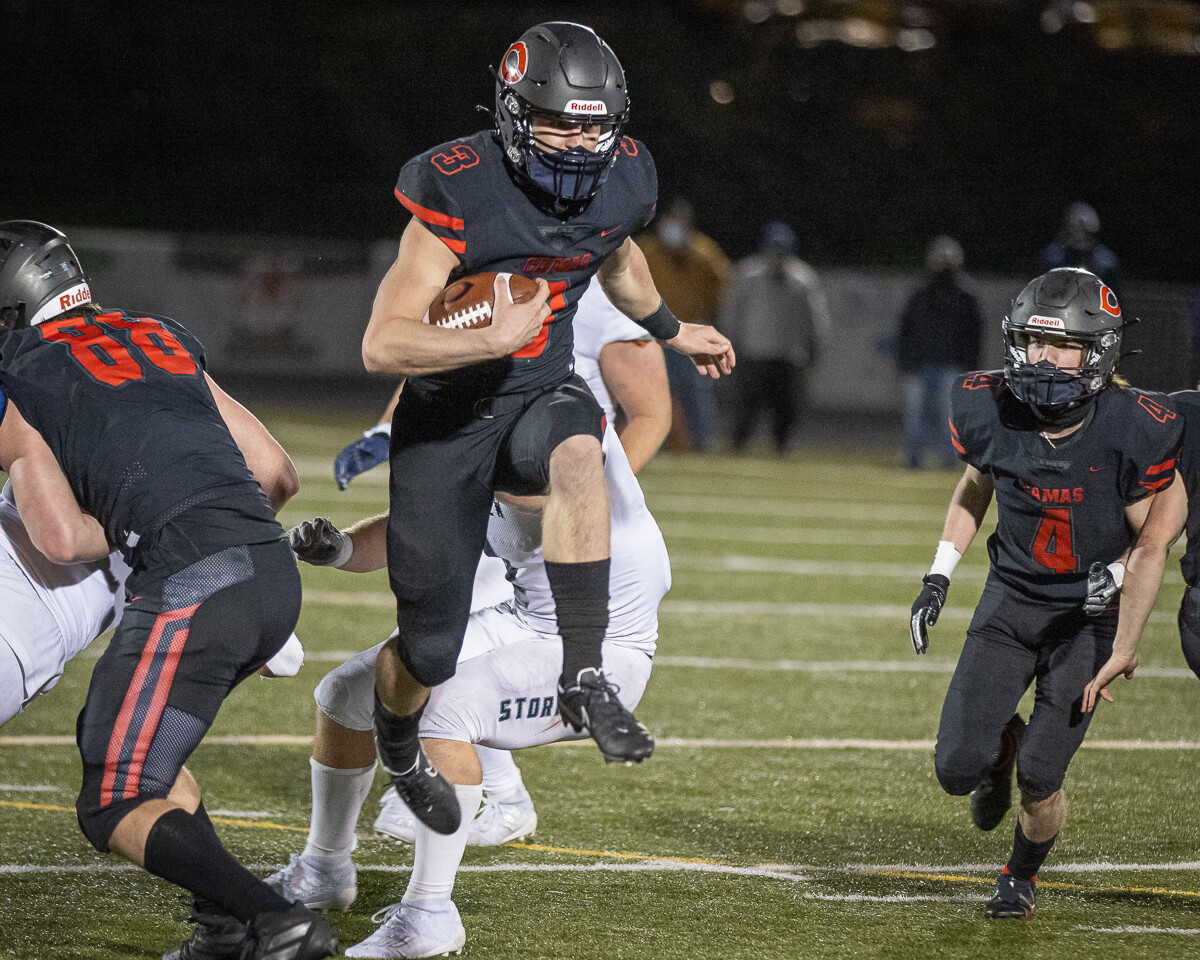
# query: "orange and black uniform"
{"points": [[122, 401], [1061, 507], [458, 436]]}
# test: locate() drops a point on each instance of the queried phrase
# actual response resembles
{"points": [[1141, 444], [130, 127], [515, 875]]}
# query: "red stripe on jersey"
{"points": [[458, 246], [430, 216], [1160, 467], [1156, 484], [117, 741], [954, 439]]}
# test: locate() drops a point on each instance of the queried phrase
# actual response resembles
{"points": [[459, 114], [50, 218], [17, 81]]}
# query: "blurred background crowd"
{"points": [[852, 190]]}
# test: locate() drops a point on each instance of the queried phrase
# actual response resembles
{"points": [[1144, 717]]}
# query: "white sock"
{"points": [[438, 855], [337, 799], [501, 776]]}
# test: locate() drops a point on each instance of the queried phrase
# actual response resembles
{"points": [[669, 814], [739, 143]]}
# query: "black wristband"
{"points": [[662, 323]]}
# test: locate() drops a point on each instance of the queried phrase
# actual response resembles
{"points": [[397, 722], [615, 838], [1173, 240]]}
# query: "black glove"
{"points": [[318, 542], [925, 611], [1102, 589], [360, 456]]}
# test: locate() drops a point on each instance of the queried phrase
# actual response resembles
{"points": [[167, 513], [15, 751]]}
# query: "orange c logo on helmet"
{"points": [[1108, 301], [512, 67]]}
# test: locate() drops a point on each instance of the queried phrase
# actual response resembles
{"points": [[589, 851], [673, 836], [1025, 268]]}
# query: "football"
{"points": [[466, 304]]}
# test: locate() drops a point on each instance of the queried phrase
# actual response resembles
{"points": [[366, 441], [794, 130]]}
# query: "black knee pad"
{"points": [[97, 822], [567, 411], [433, 661], [958, 772], [1037, 779]]}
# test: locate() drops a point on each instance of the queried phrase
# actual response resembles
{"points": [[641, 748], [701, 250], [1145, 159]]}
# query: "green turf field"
{"points": [[790, 810]]}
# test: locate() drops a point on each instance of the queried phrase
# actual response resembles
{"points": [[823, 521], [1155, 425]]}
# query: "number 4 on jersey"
{"points": [[1052, 545], [106, 359]]}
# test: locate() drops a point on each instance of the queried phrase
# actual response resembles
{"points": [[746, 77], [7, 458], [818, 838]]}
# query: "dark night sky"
{"points": [[293, 118]]}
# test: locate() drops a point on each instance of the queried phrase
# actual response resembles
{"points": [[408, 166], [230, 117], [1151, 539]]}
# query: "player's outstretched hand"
{"points": [[1102, 589], [711, 351], [926, 609], [1118, 665], [360, 456], [514, 325], [320, 543]]}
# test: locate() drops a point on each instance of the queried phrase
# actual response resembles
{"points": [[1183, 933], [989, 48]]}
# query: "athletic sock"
{"points": [[438, 855], [396, 738], [1028, 856], [337, 799], [501, 776], [184, 849], [580, 592]]}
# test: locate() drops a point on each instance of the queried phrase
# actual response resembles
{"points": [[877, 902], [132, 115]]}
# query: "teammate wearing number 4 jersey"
{"points": [[112, 413], [554, 193], [1074, 459]]}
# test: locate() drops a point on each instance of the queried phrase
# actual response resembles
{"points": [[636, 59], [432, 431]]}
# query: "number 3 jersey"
{"points": [[122, 401], [1061, 503], [464, 193]]}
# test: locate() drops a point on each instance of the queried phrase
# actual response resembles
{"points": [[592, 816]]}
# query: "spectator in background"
{"points": [[1077, 246], [776, 303], [938, 339], [690, 271]]}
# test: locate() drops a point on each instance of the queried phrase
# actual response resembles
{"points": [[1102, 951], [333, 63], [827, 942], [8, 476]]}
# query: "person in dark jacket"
{"points": [[938, 339]]}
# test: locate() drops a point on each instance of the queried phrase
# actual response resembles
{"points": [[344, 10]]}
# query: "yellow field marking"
{"points": [[227, 821], [1042, 884], [541, 848], [625, 856]]}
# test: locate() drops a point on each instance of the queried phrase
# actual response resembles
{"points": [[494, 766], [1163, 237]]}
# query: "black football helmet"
{"points": [[1073, 305], [565, 72], [40, 276]]}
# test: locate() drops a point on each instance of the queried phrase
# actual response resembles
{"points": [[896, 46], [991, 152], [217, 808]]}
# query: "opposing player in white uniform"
{"points": [[503, 695], [48, 611]]}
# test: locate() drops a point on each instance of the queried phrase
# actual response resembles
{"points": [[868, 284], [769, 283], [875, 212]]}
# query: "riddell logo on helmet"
{"points": [[1051, 323], [73, 298], [586, 106], [512, 68]]}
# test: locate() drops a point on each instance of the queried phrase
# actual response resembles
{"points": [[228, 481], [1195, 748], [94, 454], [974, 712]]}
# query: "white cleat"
{"points": [[502, 821], [421, 928], [498, 822], [316, 883]]}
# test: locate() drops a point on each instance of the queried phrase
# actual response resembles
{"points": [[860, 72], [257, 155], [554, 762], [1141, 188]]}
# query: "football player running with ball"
{"points": [[1074, 458], [553, 192]]}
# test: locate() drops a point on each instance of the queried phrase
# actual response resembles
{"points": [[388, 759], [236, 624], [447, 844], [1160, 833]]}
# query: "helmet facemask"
{"points": [[1059, 396]]}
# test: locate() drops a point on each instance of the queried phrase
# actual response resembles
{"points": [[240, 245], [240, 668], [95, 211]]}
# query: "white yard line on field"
{"points": [[1181, 931], [736, 563], [724, 608]]}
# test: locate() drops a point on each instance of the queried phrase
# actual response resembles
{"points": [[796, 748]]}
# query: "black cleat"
{"points": [[429, 795], [293, 934], [218, 936], [591, 704], [1013, 899], [991, 799]]}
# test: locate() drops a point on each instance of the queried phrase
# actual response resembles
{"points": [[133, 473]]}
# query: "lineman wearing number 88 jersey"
{"points": [[1073, 458]]}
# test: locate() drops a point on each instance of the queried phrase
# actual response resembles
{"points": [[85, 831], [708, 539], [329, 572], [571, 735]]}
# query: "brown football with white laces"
{"points": [[467, 303]]}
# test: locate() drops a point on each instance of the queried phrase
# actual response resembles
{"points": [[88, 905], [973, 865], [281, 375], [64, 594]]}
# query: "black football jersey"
{"points": [[121, 400], [465, 194], [1187, 402], [1061, 504]]}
